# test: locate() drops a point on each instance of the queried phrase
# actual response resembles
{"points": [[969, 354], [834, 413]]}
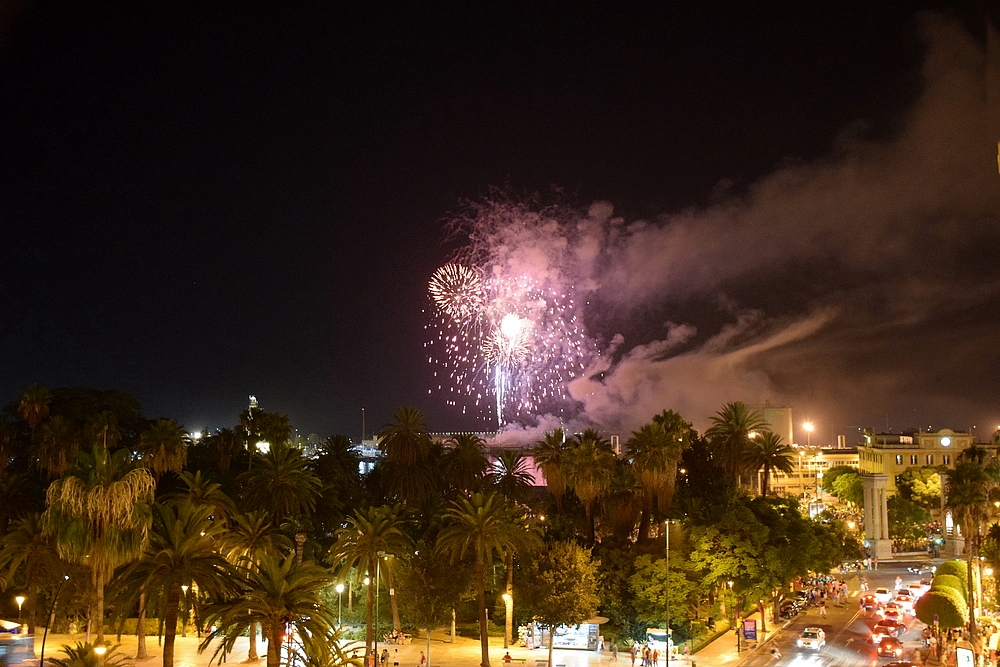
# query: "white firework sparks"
{"points": [[509, 323]]}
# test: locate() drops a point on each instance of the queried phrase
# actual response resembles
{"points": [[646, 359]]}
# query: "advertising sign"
{"points": [[750, 629]]}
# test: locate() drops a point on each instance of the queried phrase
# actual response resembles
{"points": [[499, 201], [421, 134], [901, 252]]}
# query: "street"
{"points": [[847, 629]]}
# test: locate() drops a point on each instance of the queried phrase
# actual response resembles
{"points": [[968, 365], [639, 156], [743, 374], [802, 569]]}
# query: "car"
{"points": [[790, 609], [925, 584], [890, 647], [895, 615], [883, 594], [924, 568], [811, 637], [868, 602], [905, 600], [916, 589], [886, 628], [901, 663]]}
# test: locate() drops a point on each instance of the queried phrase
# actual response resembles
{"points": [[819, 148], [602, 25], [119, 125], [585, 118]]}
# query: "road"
{"points": [[847, 630]]}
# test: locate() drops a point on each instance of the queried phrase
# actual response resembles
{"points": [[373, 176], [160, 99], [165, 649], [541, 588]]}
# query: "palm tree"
{"points": [[182, 550], [368, 536], [224, 446], [405, 442], [99, 514], [8, 444], [656, 449], [623, 501], [512, 476], [203, 491], [485, 525], [281, 483], [550, 456], [16, 492], [766, 451], [33, 406], [465, 465], [730, 436], [968, 499], [57, 444], [251, 537], [283, 597], [163, 447], [589, 467], [28, 551], [409, 470], [86, 655]]}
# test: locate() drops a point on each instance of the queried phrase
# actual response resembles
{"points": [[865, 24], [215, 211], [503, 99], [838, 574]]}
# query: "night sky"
{"points": [[199, 203]]}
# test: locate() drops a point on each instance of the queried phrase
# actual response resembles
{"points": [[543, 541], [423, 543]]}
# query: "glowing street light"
{"points": [[340, 602], [20, 600], [809, 428]]}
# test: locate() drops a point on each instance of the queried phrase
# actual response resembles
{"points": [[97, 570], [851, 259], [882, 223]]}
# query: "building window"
{"points": [[913, 459], [899, 459], [946, 459], [930, 459]]}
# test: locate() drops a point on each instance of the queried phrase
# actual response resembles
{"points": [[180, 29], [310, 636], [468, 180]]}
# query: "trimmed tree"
{"points": [[946, 604], [563, 588]]}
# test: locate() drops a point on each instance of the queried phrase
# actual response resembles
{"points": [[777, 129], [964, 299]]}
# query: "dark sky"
{"points": [[204, 202]]}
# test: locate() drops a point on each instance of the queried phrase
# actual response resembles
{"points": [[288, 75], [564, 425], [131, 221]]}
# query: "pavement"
{"points": [[465, 652]]}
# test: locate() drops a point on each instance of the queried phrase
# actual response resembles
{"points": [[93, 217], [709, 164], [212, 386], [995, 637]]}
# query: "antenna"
{"points": [[362, 424]]}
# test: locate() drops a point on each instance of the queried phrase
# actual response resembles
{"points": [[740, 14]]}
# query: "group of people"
{"points": [[649, 656]]}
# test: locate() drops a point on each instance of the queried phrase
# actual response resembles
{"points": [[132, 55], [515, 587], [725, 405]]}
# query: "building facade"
{"points": [[890, 454]]}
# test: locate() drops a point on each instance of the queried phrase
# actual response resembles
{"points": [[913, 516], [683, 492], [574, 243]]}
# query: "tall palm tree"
{"points": [[484, 525], [200, 490], [163, 447], [29, 552], [182, 550], [368, 536], [100, 515], [550, 456], [8, 444], [250, 538], [33, 406], [768, 453], [283, 597], [281, 483], [512, 476], [56, 445], [16, 497], [656, 449], [224, 446], [623, 501], [589, 467], [408, 467], [968, 499], [465, 465], [730, 437]]}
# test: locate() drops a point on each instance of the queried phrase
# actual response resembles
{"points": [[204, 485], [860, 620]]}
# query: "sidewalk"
{"points": [[722, 651]]}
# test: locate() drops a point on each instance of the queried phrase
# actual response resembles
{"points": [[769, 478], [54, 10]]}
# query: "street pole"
{"points": [[48, 622], [340, 604], [378, 571], [667, 587]]}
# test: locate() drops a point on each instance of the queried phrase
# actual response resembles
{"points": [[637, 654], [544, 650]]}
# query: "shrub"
{"points": [[947, 603], [955, 568], [952, 582]]}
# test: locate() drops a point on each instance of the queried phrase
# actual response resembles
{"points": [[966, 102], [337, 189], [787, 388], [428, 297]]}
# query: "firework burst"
{"points": [[508, 319]]}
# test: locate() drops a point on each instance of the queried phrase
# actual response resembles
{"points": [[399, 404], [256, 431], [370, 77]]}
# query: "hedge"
{"points": [[947, 603], [952, 582]]}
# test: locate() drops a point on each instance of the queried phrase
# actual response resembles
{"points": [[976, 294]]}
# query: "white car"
{"points": [[811, 637], [883, 594], [916, 590], [905, 600]]}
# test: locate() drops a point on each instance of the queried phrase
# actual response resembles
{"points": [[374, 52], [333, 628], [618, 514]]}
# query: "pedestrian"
{"points": [[633, 651], [423, 660], [875, 563], [614, 651], [371, 660], [655, 658], [507, 659], [385, 657], [775, 653], [822, 608], [395, 658]]}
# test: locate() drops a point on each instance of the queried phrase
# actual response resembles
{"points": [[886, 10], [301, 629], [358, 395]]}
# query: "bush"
{"points": [[947, 603], [955, 568], [952, 582]]}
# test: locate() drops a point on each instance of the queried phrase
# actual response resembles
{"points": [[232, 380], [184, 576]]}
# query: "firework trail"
{"points": [[508, 315]]}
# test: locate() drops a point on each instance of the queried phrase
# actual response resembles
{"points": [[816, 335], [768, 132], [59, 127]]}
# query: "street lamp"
{"points": [[808, 426], [340, 603], [666, 641], [52, 608], [20, 600]]}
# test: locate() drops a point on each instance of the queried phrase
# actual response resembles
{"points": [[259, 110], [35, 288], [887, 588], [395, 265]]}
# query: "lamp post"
{"points": [[101, 652], [340, 604], [52, 608], [809, 428], [20, 600], [666, 641]]}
